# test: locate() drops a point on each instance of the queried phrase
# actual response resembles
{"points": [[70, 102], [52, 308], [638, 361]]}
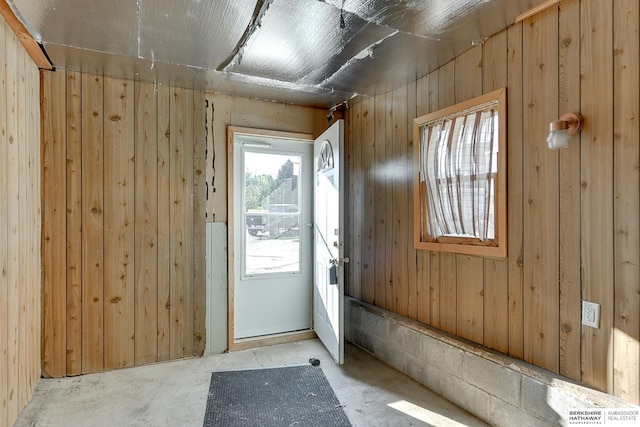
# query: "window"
{"points": [[460, 184]]}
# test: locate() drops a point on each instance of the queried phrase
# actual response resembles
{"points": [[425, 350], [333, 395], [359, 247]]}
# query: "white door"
{"points": [[273, 192], [328, 293]]}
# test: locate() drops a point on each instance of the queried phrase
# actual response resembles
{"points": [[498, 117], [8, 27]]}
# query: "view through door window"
{"points": [[272, 213]]}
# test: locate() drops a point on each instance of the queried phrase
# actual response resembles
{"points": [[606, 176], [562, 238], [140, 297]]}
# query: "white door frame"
{"points": [[232, 132]]}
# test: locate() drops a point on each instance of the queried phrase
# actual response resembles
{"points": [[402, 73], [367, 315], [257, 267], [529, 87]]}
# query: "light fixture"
{"points": [[561, 130]]}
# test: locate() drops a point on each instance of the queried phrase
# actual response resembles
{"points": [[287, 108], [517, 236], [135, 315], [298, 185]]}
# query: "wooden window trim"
{"points": [[497, 247]]}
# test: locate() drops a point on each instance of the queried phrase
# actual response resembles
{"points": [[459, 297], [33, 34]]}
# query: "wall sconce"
{"points": [[560, 131]]}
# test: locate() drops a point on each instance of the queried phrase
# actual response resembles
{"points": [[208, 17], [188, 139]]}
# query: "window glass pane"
{"points": [[461, 156], [272, 215]]}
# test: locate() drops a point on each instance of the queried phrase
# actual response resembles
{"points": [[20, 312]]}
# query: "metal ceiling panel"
{"points": [[104, 26], [393, 63], [303, 42], [438, 18], [73, 59], [312, 52], [197, 33], [293, 93]]}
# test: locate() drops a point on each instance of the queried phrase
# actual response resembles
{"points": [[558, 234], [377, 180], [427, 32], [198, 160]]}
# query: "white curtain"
{"points": [[458, 164]]}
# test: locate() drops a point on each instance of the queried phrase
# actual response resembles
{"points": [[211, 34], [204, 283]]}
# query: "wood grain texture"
{"points": [[496, 301], [626, 165], [423, 258], [181, 217], [146, 223], [569, 188], [13, 224], [572, 216], [199, 217], [470, 298], [35, 329], [540, 70], [119, 213], [369, 197], [21, 285], [390, 297], [220, 113], [164, 222], [356, 182], [4, 245], [597, 181], [92, 223], [400, 230], [412, 253], [54, 249], [380, 200], [74, 223], [515, 182]]}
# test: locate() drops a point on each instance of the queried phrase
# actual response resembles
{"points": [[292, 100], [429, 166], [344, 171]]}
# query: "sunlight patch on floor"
{"points": [[423, 414]]}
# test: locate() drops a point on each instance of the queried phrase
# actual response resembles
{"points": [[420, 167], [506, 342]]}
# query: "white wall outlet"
{"points": [[591, 314]]}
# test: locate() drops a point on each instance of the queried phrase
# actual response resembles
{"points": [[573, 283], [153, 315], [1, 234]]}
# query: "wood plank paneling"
{"points": [[92, 222], [400, 225], [423, 258], [496, 304], [515, 168], [469, 297], [573, 228], [119, 213], [626, 335], [74, 223], [355, 182], [597, 183], [220, 114], [388, 203], [380, 200], [13, 225], [53, 249], [412, 259], [181, 217], [569, 101], [199, 217], [4, 249], [146, 223], [21, 287], [541, 249], [130, 161], [369, 197], [164, 222]]}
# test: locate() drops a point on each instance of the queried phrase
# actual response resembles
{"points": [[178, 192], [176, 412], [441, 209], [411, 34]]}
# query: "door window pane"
{"points": [[272, 214]]}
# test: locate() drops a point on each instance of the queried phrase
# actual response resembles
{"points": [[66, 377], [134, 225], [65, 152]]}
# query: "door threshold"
{"points": [[263, 341]]}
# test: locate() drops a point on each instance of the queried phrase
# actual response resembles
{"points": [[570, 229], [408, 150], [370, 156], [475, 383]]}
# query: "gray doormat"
{"points": [[291, 396]]}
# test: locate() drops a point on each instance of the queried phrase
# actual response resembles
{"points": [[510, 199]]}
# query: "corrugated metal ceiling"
{"points": [[311, 52]]}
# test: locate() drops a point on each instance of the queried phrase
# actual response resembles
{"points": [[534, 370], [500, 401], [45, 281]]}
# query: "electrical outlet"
{"points": [[591, 314]]}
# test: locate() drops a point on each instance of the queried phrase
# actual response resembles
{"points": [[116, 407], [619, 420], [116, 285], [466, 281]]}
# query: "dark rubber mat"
{"points": [[291, 396]]}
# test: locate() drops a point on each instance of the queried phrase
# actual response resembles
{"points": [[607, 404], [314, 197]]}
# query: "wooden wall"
{"points": [[20, 204], [572, 215], [224, 111], [123, 224]]}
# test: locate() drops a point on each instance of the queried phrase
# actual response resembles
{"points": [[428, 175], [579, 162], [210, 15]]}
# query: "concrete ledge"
{"points": [[500, 390]]}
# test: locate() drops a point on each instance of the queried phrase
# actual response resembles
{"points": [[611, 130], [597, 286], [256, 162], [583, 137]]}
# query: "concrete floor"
{"points": [[175, 393]]}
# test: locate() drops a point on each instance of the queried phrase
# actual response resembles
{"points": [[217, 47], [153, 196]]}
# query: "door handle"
{"points": [[345, 260]]}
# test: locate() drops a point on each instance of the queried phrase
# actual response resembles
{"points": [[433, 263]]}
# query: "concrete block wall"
{"points": [[494, 387]]}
